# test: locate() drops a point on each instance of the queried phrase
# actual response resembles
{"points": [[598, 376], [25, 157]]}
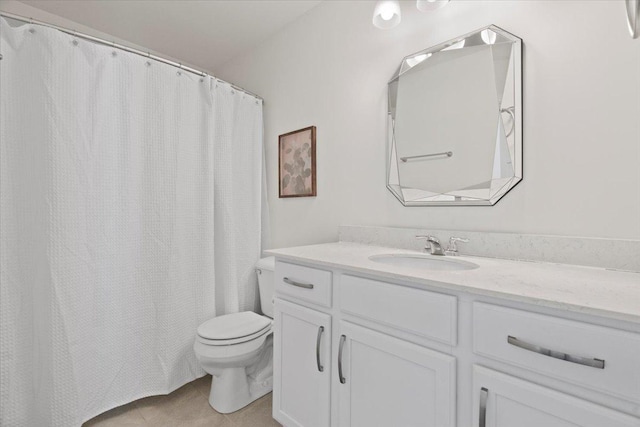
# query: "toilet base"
{"points": [[232, 390]]}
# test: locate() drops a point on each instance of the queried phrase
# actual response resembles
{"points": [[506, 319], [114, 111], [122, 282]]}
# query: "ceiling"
{"points": [[205, 34]]}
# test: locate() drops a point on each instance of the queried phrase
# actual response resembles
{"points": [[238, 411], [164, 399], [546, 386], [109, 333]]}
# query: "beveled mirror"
{"points": [[455, 121]]}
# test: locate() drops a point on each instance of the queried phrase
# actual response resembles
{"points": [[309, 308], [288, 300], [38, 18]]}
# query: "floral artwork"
{"points": [[297, 167]]}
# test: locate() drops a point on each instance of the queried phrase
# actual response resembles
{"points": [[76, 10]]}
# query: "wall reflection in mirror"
{"points": [[455, 127]]}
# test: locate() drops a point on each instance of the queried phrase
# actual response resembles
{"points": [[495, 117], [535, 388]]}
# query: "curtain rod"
{"points": [[123, 47]]}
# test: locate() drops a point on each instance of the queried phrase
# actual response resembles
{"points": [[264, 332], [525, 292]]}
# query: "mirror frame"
{"points": [[517, 125]]}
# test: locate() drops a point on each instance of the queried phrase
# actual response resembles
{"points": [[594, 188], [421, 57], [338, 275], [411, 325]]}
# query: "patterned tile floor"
{"points": [[186, 407]]}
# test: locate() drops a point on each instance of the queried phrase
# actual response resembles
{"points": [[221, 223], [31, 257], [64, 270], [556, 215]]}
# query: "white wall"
{"points": [[581, 116]]}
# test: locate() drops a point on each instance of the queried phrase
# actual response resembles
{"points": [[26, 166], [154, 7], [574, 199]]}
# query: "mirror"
{"points": [[455, 126]]}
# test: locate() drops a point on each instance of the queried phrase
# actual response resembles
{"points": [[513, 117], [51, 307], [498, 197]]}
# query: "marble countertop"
{"points": [[597, 291]]}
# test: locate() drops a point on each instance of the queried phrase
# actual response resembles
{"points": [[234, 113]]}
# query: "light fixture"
{"points": [[488, 36], [415, 60], [633, 17], [457, 45], [386, 14], [427, 5]]}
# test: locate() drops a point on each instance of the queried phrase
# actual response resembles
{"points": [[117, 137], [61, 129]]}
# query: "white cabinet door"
{"points": [[385, 381], [504, 401], [301, 357]]}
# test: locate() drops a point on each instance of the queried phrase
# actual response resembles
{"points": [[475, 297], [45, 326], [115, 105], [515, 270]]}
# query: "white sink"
{"points": [[427, 262]]}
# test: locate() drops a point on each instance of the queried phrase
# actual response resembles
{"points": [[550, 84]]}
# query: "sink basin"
{"points": [[426, 262]]}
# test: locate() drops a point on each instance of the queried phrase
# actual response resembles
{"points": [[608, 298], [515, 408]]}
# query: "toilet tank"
{"points": [[264, 269]]}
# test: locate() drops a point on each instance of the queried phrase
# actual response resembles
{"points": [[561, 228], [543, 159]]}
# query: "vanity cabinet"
{"points": [[375, 379], [385, 381], [355, 350], [504, 401], [302, 368]]}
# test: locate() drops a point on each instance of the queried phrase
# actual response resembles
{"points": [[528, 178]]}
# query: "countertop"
{"points": [[596, 291]]}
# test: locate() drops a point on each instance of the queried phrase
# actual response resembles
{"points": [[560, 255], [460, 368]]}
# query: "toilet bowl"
{"points": [[237, 350]]}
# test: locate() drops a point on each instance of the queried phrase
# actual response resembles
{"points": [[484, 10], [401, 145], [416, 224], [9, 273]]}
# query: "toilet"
{"points": [[237, 349]]}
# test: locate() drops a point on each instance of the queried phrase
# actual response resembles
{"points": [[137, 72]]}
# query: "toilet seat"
{"points": [[233, 329], [220, 353], [234, 341]]}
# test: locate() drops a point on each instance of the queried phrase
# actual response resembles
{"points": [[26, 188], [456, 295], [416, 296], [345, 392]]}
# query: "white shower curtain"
{"points": [[238, 194], [129, 213]]}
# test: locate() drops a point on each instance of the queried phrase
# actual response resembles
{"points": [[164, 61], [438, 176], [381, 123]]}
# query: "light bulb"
{"points": [[386, 14], [488, 36], [415, 60], [456, 45]]}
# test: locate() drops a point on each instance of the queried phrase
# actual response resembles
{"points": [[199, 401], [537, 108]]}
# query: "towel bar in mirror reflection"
{"points": [[423, 156]]}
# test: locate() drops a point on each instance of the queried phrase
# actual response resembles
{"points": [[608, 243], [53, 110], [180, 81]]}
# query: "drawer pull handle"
{"points": [[594, 363], [298, 284], [341, 377], [484, 395], [320, 332]]}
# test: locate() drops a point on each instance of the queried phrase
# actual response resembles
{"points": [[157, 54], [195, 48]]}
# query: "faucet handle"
{"points": [[453, 247], [427, 237]]}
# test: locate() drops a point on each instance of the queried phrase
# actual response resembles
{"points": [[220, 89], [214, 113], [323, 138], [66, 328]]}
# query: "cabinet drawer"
{"points": [[420, 312], [304, 283], [595, 357]]}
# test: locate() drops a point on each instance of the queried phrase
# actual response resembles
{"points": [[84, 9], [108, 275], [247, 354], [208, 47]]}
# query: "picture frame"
{"points": [[297, 163]]}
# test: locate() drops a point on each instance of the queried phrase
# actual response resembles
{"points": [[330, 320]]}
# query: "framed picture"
{"points": [[297, 163]]}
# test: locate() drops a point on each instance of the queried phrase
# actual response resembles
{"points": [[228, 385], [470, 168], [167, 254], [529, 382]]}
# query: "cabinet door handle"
{"points": [[484, 395], [298, 284], [320, 332], [343, 338], [594, 363]]}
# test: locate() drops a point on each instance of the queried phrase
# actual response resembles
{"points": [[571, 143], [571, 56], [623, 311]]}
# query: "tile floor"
{"points": [[186, 407]]}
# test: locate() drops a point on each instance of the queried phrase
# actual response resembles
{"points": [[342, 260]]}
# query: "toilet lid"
{"points": [[253, 337], [231, 326]]}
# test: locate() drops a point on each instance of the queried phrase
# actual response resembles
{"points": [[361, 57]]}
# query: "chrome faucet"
{"points": [[432, 244]]}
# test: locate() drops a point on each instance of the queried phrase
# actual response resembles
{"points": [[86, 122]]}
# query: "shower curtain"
{"points": [[130, 212]]}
